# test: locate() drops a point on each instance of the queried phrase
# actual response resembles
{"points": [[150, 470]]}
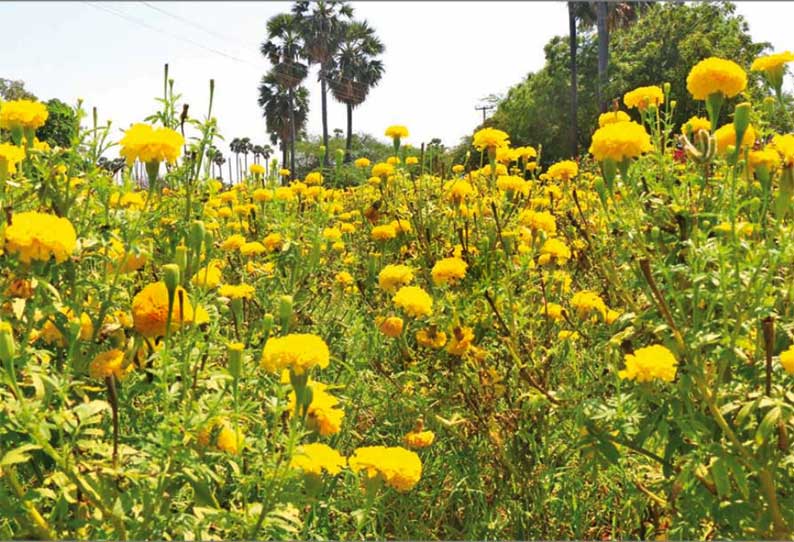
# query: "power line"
{"points": [[194, 24], [175, 36]]}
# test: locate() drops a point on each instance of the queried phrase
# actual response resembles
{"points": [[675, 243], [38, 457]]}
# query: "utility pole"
{"points": [[484, 108]]}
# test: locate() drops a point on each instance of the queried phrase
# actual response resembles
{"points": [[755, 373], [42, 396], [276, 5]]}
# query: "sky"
{"points": [[441, 58]]}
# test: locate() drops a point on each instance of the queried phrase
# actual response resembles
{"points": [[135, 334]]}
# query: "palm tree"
{"points": [[355, 71], [235, 147], [322, 26], [267, 152], [279, 114], [284, 50], [572, 39], [219, 160], [245, 148]]}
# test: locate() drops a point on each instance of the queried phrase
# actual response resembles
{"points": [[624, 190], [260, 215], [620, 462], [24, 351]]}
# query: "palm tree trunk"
{"points": [[292, 132], [574, 90], [603, 52], [324, 96], [349, 141]]}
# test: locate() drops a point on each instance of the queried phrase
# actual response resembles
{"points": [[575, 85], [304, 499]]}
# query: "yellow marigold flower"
{"points": [[208, 276], [587, 302], [538, 221], [431, 338], [382, 170], [332, 234], [462, 338], [110, 363], [115, 254], [784, 145], [52, 335], [513, 184], [611, 316], [620, 141], [716, 75], [344, 278], [726, 137], [25, 114], [222, 436], [490, 139], [553, 311], [554, 251], [414, 301], [458, 168], [284, 193], [150, 310], [393, 276], [236, 291], [298, 352], [766, 158], [399, 468], [40, 236], [643, 97], [526, 152], [787, 360], [696, 124], [648, 363], [611, 117], [314, 178], [362, 162], [257, 169], [148, 144], [396, 132], [252, 248], [391, 326], [316, 458], [563, 171], [411, 161], [448, 271], [10, 156], [771, 62], [568, 335], [383, 232], [284, 172], [262, 195], [323, 416], [419, 439], [273, 242], [233, 242], [458, 190]]}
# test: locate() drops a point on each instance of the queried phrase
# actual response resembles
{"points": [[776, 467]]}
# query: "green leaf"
{"points": [[201, 488], [86, 412], [739, 476], [767, 425], [719, 472], [18, 455]]}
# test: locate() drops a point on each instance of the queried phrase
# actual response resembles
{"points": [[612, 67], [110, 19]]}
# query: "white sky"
{"points": [[441, 58]]}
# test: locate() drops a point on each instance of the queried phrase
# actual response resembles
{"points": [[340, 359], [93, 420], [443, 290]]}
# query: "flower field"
{"points": [[499, 348]]}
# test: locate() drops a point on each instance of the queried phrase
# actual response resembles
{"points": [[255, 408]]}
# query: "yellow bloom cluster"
{"points": [[298, 352], [787, 360], [611, 117], [620, 141], [24, 114], [726, 137], [221, 435], [490, 138], [362, 162], [538, 221], [512, 184], [448, 271], [563, 171], [257, 169], [323, 415], [396, 131], [772, 62], [10, 156], [150, 310], [419, 439], [391, 326], [382, 169], [648, 363], [414, 301], [316, 458], [110, 363], [784, 145], [696, 124], [236, 291], [642, 97], [40, 236], [397, 467], [147, 144], [393, 276], [716, 75]]}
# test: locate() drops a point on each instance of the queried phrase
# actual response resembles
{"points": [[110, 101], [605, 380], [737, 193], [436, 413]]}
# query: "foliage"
{"points": [[62, 124], [14, 90], [660, 46]]}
